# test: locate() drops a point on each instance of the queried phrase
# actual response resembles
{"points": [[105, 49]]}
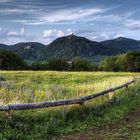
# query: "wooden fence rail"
{"points": [[80, 100]]}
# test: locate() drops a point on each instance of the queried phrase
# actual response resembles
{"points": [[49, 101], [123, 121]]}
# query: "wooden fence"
{"points": [[80, 100]]}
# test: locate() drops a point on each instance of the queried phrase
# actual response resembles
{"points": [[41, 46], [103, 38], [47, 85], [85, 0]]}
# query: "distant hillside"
{"points": [[121, 44], [72, 46], [3, 46], [27, 50]]}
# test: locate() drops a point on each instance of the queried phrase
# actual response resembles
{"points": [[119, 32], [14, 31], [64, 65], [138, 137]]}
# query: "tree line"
{"points": [[129, 61], [126, 62], [11, 61]]}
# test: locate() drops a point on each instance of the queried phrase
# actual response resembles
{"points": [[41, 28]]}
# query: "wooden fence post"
{"points": [[110, 95], [126, 87], [82, 101], [33, 95], [8, 114]]}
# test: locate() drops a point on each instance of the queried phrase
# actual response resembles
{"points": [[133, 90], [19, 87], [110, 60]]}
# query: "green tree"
{"points": [[109, 64], [81, 64], [129, 61], [57, 64], [39, 66], [11, 61]]}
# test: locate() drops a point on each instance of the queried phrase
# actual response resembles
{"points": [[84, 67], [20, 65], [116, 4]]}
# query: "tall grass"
{"points": [[47, 123], [29, 86]]}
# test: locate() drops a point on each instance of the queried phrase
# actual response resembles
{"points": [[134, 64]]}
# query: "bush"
{"points": [[57, 64], [11, 61], [109, 64], [81, 64], [39, 66], [129, 61]]}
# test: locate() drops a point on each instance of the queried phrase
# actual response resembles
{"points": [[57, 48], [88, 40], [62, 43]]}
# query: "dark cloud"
{"points": [[89, 18]]}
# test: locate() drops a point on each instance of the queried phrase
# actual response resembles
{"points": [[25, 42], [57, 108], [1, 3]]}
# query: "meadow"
{"points": [[39, 86], [31, 86]]}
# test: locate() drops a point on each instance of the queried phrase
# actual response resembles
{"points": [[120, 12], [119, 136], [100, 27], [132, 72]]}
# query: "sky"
{"points": [[45, 20]]}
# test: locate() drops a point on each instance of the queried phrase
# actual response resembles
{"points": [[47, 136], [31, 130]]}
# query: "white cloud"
{"points": [[17, 11], [70, 31], [65, 15], [16, 33], [22, 32], [118, 35], [106, 36], [94, 37], [53, 33], [12, 37], [3, 1], [107, 18], [39, 17], [133, 24], [102, 36], [13, 34], [70, 15]]}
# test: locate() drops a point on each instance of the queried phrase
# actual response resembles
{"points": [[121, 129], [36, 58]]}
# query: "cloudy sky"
{"points": [[45, 20]]}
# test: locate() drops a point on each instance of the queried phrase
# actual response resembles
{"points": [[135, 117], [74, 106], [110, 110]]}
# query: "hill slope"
{"points": [[122, 44], [28, 50], [72, 46], [3, 46]]}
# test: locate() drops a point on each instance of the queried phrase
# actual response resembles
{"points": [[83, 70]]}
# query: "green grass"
{"points": [[135, 134], [29, 86], [129, 130]]}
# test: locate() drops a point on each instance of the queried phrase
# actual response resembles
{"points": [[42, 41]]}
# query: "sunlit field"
{"points": [[29, 86], [40, 86]]}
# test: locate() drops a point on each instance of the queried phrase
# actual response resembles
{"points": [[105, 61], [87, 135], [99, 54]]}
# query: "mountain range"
{"points": [[69, 47]]}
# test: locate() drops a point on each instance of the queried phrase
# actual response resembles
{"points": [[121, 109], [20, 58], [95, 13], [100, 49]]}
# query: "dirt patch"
{"points": [[121, 130]]}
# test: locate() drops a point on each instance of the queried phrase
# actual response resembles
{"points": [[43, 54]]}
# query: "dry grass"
{"points": [[29, 86]]}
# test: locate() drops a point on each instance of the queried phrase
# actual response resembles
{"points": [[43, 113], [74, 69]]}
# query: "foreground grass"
{"points": [[54, 122], [131, 132]]}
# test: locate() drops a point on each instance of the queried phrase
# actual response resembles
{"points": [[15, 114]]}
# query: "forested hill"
{"points": [[72, 46], [122, 44]]}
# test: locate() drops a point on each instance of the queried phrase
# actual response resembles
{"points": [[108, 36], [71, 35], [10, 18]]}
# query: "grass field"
{"points": [[31, 86]]}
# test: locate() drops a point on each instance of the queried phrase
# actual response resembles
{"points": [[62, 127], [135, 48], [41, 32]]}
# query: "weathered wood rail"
{"points": [[80, 100]]}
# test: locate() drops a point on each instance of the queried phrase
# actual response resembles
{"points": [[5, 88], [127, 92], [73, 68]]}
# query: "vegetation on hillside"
{"points": [[11, 61], [122, 44], [71, 46], [129, 61]]}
